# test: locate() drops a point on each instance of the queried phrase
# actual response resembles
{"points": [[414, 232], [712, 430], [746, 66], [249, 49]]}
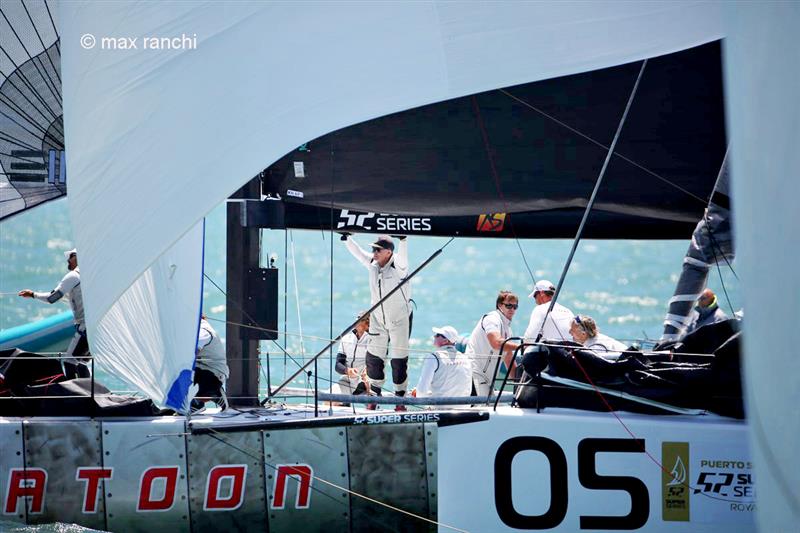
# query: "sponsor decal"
{"points": [[26, 483], [301, 473], [230, 476], [408, 418], [731, 481], [382, 222], [157, 489], [296, 194], [299, 169], [92, 477], [675, 481], [493, 222]]}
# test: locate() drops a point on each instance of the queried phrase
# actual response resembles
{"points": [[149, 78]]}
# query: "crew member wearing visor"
{"points": [[446, 372]]}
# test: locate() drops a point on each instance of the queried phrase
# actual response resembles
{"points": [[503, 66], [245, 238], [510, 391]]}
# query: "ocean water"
{"points": [[624, 285]]}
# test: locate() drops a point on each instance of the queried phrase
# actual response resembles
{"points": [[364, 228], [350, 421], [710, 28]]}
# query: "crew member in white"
{"points": [[486, 339], [558, 321], [351, 361], [389, 322], [445, 372], [77, 354], [585, 331], [211, 367]]}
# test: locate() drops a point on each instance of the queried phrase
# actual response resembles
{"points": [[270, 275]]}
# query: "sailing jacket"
{"points": [[69, 286], [211, 352], [383, 279], [352, 354], [445, 372]]}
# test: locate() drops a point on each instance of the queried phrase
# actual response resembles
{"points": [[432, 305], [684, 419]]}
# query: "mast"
{"points": [[242, 259]]}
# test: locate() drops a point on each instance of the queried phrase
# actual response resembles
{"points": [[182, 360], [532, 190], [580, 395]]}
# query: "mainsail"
{"points": [[32, 157], [529, 152]]}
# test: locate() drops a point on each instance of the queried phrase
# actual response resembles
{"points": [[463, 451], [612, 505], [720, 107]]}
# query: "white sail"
{"points": [[160, 137], [762, 61], [148, 337]]}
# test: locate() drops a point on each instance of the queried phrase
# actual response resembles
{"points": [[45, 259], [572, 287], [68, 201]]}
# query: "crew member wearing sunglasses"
{"points": [[484, 344]]}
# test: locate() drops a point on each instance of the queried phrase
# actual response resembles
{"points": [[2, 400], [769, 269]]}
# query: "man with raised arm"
{"points": [[70, 286], [389, 322]]}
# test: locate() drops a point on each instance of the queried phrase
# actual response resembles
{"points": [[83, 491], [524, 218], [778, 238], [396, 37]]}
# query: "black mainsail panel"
{"points": [[522, 161]]}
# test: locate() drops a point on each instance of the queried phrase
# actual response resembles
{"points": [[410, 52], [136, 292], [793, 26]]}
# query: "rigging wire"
{"points": [[496, 177], [601, 145], [644, 449], [258, 456], [590, 204]]}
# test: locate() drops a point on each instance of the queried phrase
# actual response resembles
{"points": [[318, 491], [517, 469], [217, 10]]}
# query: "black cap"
{"points": [[384, 243]]}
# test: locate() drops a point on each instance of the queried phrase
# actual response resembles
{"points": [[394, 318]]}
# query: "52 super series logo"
{"points": [[382, 222], [712, 488]]}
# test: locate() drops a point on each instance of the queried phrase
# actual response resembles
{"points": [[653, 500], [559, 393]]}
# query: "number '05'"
{"points": [[559, 496]]}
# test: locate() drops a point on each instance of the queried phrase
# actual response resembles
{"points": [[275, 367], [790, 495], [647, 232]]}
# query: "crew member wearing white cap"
{"points": [[558, 323], [484, 343], [70, 286], [445, 372], [211, 367], [389, 322]]}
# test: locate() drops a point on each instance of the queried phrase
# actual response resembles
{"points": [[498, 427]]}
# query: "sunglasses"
{"points": [[581, 324], [510, 306], [439, 335]]}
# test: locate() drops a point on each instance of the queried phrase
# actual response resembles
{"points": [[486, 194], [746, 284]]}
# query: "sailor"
{"points": [[559, 319], [389, 322], [77, 353], [445, 372], [584, 331], [706, 312], [351, 361], [211, 367], [486, 339]]}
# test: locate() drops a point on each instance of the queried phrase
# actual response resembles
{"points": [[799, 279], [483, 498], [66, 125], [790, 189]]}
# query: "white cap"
{"points": [[69, 253], [448, 332], [543, 285]]}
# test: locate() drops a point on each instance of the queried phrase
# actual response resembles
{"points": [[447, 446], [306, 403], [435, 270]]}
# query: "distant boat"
{"points": [[49, 334]]}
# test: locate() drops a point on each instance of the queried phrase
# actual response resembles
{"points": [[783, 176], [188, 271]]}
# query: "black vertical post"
{"points": [[243, 253]]}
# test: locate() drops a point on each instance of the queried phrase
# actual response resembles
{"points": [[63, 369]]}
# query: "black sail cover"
{"points": [[520, 161], [32, 158]]}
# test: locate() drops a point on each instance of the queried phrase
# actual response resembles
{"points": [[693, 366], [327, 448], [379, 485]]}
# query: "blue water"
{"points": [[624, 285]]}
